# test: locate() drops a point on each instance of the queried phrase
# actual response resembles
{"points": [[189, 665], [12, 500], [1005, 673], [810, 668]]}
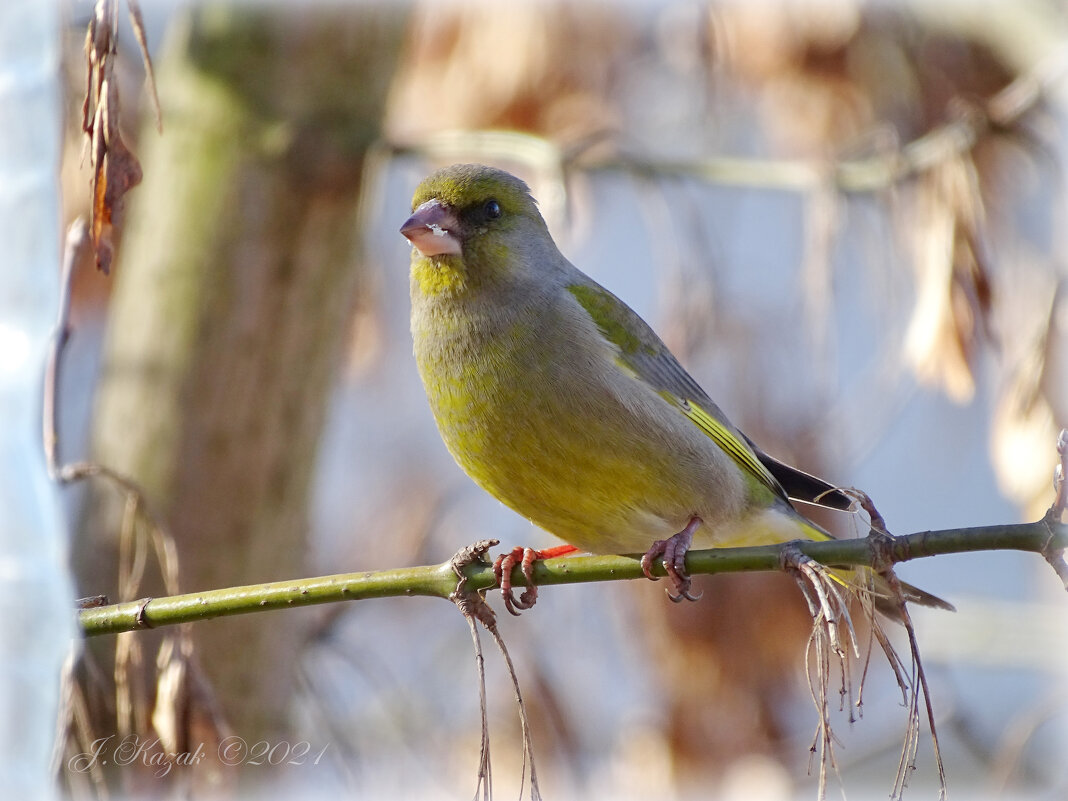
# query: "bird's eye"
{"points": [[493, 209]]}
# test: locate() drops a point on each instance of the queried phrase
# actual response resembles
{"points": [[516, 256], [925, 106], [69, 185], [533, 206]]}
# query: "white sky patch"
{"points": [[14, 349]]}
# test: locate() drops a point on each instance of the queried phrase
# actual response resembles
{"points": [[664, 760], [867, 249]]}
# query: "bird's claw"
{"points": [[525, 558], [684, 593], [502, 570], [656, 550], [673, 550]]}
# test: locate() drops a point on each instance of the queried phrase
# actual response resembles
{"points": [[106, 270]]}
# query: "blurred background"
{"points": [[848, 221]]}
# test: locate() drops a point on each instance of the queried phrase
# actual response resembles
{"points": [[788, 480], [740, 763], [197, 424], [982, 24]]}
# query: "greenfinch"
{"points": [[560, 401]]}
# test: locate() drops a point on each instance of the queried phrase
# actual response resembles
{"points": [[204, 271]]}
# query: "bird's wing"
{"points": [[642, 353], [802, 486]]}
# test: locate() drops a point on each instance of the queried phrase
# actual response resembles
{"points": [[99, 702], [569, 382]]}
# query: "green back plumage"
{"points": [[642, 353]]}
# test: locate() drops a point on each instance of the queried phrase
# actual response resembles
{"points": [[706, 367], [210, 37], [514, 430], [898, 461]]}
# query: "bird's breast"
{"points": [[539, 415]]}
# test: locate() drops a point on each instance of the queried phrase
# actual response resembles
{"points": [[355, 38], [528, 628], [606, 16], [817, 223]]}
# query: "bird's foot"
{"points": [[673, 550], [474, 553], [471, 603], [525, 558]]}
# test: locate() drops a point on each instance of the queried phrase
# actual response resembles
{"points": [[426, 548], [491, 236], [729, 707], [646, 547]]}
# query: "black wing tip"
{"points": [[805, 487]]}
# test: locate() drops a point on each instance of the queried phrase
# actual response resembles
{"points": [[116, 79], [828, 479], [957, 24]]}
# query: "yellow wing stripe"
{"points": [[731, 444], [748, 462], [814, 532]]}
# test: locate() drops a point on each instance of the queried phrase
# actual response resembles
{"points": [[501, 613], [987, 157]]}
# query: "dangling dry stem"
{"points": [[132, 566], [875, 633], [528, 742], [919, 673], [473, 606], [830, 612], [485, 771], [823, 739], [897, 664], [915, 681], [79, 740]]}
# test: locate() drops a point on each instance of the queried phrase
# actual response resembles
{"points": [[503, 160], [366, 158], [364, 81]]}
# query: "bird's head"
{"points": [[472, 224]]}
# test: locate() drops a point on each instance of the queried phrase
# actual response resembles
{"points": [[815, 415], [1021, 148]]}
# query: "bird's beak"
{"points": [[432, 229]]}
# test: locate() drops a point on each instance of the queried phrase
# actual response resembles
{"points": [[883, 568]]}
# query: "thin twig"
{"points": [[871, 174], [485, 765], [137, 22], [524, 724], [917, 682], [882, 543], [1059, 506], [440, 581], [826, 607], [75, 249], [1054, 552], [74, 254], [474, 608]]}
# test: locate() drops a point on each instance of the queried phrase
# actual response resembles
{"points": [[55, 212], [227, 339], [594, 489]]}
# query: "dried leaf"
{"points": [[116, 171], [115, 168], [1025, 420], [187, 717], [954, 296]]}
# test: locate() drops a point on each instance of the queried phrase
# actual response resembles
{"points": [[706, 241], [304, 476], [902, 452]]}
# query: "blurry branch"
{"points": [[75, 252], [1055, 553], [115, 171], [75, 249], [137, 22], [868, 174], [1048, 537]]}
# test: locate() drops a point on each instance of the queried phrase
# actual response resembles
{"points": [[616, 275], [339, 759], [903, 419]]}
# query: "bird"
{"points": [[559, 400]]}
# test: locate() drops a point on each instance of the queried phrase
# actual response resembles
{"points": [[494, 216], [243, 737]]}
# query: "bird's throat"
{"points": [[438, 275]]}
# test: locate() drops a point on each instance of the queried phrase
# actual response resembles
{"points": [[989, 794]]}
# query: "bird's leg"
{"points": [[525, 558], [674, 549], [471, 603]]}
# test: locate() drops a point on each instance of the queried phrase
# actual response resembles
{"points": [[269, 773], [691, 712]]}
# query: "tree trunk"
{"points": [[234, 285]]}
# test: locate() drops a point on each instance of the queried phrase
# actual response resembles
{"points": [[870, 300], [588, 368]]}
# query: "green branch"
{"points": [[1044, 537]]}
